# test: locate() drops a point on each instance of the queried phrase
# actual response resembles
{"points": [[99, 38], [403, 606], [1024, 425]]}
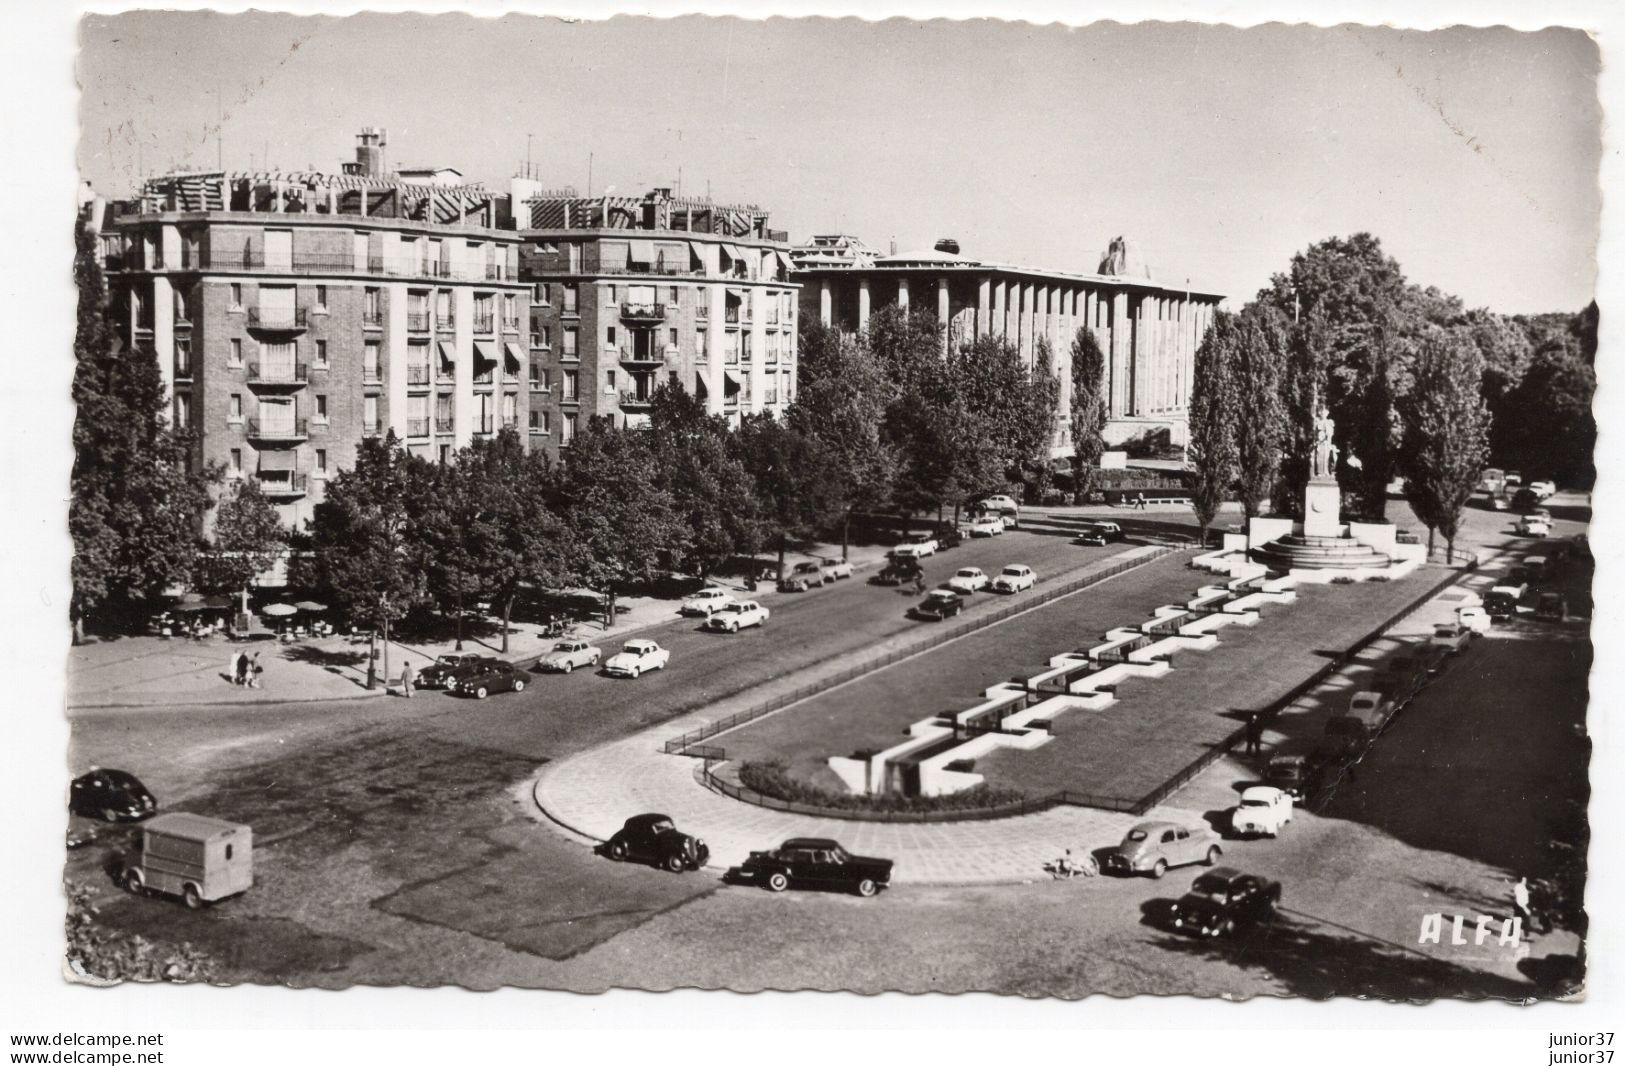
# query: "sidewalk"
{"points": [[149, 672]]}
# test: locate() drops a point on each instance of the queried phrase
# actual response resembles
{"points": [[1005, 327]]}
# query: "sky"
{"points": [[1472, 154]]}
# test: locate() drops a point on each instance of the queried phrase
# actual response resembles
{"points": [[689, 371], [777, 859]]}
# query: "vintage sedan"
{"points": [[1475, 618], [652, 838], [569, 654], [110, 795], [835, 569], [1297, 772], [938, 605], [480, 681], [737, 616], [986, 525], [1014, 579], [968, 579], [996, 503], [444, 670], [1533, 525], [1263, 811], [1152, 847], [804, 576], [1224, 900], [706, 602], [897, 572], [812, 862], [1544, 489], [1452, 637], [637, 657]]}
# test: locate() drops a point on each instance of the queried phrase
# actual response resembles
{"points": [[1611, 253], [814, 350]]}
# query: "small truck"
{"points": [[201, 860]]}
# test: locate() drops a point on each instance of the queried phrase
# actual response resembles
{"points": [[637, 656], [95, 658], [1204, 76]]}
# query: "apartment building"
{"points": [[627, 293], [295, 314], [1149, 332]]}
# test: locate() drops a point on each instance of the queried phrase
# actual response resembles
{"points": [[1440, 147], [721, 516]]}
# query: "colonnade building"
{"points": [[1148, 332]]}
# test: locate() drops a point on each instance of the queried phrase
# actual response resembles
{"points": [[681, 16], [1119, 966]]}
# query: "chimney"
{"points": [[369, 151], [893, 246]]}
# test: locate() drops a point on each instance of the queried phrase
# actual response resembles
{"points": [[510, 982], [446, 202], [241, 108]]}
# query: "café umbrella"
{"points": [[310, 606], [278, 610]]}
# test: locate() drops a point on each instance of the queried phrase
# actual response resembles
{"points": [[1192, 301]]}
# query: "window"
{"points": [[484, 313], [609, 381], [417, 363], [542, 293], [234, 357], [321, 297], [483, 401], [538, 420], [570, 333], [510, 311], [609, 336], [671, 336], [358, 245], [568, 430], [445, 454], [671, 296], [442, 309], [541, 338], [569, 378], [321, 460], [369, 416], [612, 293], [442, 413], [538, 376], [183, 357], [510, 409], [234, 412], [570, 293], [279, 249], [321, 355], [236, 296], [277, 362], [369, 361], [321, 407], [183, 411], [417, 416], [372, 310], [236, 462], [182, 313], [701, 347]]}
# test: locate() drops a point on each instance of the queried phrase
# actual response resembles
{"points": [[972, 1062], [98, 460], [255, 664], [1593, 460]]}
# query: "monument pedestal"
{"points": [[1322, 503]]}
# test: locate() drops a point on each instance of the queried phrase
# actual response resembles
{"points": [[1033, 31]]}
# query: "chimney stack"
{"points": [[369, 151]]}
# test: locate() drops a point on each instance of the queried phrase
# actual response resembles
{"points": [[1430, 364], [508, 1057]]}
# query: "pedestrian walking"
{"points": [[1255, 733], [254, 671], [919, 581], [1520, 904], [408, 678], [239, 668]]}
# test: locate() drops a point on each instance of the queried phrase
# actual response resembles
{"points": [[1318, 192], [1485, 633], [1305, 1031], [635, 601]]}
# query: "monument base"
{"points": [[1322, 503]]}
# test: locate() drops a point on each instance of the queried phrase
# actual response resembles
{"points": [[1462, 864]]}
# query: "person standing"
{"points": [[408, 678], [1255, 733], [1520, 904], [239, 668], [254, 671]]}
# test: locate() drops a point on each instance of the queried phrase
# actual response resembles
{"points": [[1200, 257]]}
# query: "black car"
{"points": [[947, 535], [444, 670], [812, 862], [1224, 900], [653, 838], [1297, 773], [1525, 500], [1552, 607], [897, 572], [112, 796], [937, 605], [485, 678]]}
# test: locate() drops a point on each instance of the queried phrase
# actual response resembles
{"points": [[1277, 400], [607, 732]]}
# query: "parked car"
{"points": [[1100, 533], [985, 525], [706, 602], [804, 576], [1513, 478], [1014, 578], [1090, 535], [1538, 568], [111, 795], [1531, 525], [811, 862], [897, 572], [1296, 772], [1552, 607], [1224, 900], [737, 616], [481, 681], [1152, 847], [1503, 600], [917, 544], [637, 657], [1372, 709], [1544, 489], [569, 654], [835, 569], [968, 579], [444, 670], [937, 605], [946, 535], [1475, 618], [201, 860], [1491, 480], [1263, 810], [995, 503], [653, 838], [1453, 637], [1524, 500], [1500, 501]]}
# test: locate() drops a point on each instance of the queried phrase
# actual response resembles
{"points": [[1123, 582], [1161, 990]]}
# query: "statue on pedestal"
{"points": [[1323, 457]]}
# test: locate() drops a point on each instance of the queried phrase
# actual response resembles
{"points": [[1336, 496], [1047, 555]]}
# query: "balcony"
{"points": [[633, 399], [417, 375], [442, 424], [403, 266], [277, 375], [642, 312], [633, 357], [445, 323], [484, 425], [372, 319], [283, 488], [370, 376], [485, 323], [418, 321], [278, 429], [510, 325], [417, 427], [276, 321]]}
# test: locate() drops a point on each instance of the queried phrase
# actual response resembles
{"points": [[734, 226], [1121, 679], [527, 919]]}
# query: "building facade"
{"points": [[295, 314], [1149, 333], [628, 293]]}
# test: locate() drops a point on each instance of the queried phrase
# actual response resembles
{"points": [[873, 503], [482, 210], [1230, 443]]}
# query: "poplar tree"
{"points": [[1446, 430], [1212, 448]]}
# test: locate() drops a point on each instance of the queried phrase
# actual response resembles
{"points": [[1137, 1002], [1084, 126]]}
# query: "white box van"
{"points": [[199, 859]]}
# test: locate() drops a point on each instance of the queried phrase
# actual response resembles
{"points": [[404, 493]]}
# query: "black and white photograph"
{"points": [[892, 505]]}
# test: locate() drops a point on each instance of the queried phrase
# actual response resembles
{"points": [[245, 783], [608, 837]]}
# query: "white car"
{"points": [[914, 550], [968, 579], [707, 602], [985, 526], [636, 657], [1475, 618], [1264, 809], [1453, 637], [1543, 489], [1014, 579], [996, 503], [737, 616], [835, 569], [1533, 526]]}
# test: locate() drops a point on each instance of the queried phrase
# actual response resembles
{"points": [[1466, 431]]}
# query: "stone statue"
{"points": [[1116, 260], [1323, 461]]}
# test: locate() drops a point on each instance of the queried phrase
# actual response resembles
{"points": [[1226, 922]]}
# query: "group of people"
{"points": [[246, 669]]}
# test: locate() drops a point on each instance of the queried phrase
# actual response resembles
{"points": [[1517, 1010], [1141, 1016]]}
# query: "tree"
{"points": [[1036, 414], [1088, 411], [369, 557], [135, 503], [452, 511], [248, 539], [908, 347], [1212, 448], [1261, 356], [1446, 430], [796, 482], [1556, 427], [842, 395], [713, 499]]}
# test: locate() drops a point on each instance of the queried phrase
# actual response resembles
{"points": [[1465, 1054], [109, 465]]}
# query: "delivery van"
{"points": [[199, 859]]}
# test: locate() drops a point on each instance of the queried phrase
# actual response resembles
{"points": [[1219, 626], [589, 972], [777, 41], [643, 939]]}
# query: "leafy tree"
{"points": [[713, 499], [1036, 414], [618, 516], [1088, 410], [1446, 434], [1556, 427], [451, 570], [842, 395], [135, 503], [1212, 448], [916, 428], [796, 478], [369, 555], [248, 539], [1261, 357]]}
